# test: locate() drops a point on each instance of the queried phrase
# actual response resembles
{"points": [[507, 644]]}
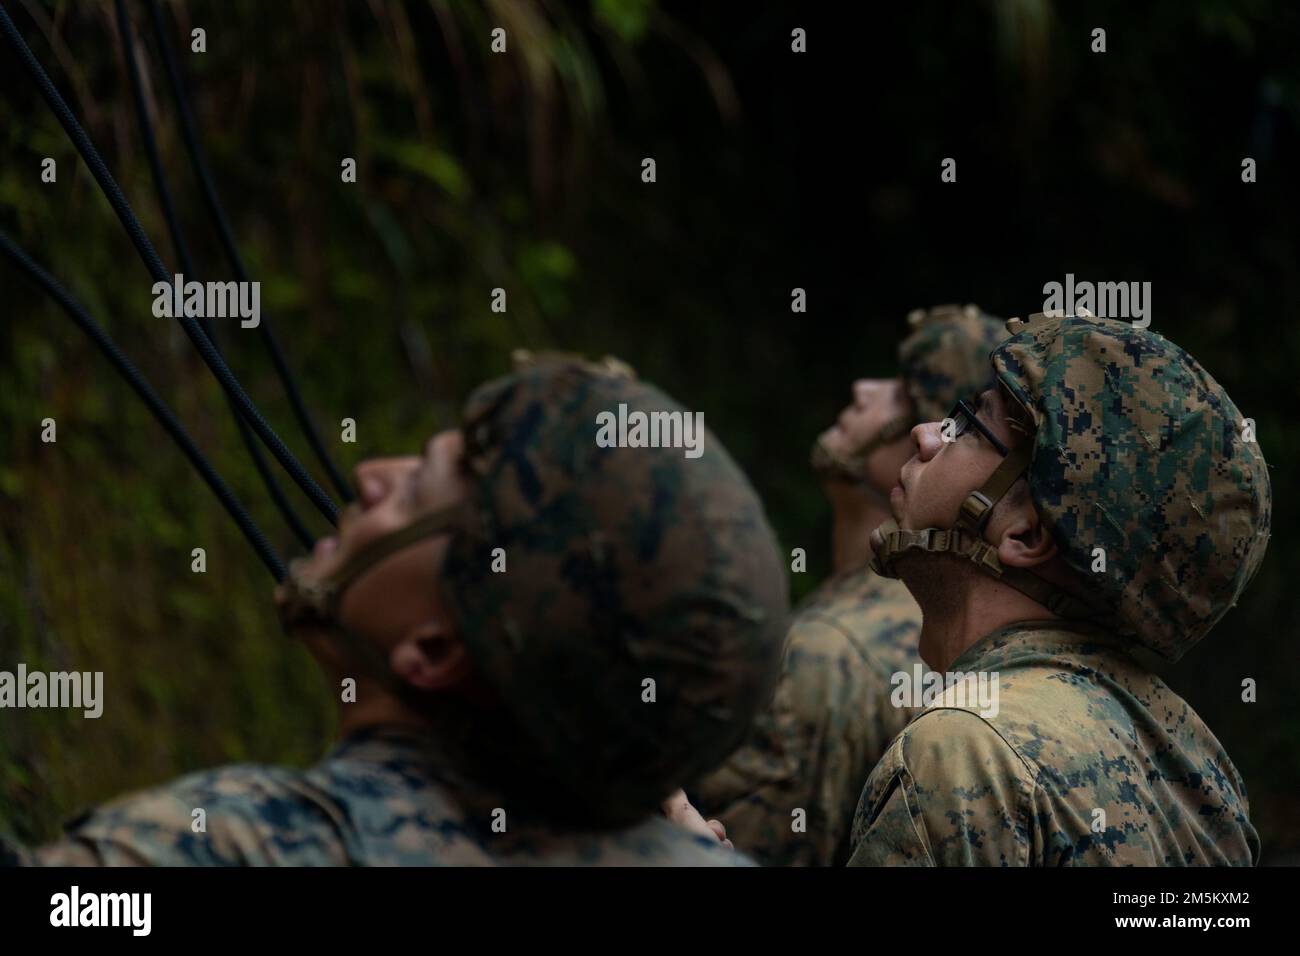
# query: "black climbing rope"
{"points": [[198, 161], [156, 405], [187, 265], [155, 266]]}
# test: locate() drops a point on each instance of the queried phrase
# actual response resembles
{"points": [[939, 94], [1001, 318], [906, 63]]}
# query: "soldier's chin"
{"points": [[823, 460], [876, 539]]}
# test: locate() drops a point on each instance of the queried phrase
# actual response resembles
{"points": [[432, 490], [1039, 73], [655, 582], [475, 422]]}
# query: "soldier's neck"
{"points": [[961, 608], [854, 515], [374, 707]]}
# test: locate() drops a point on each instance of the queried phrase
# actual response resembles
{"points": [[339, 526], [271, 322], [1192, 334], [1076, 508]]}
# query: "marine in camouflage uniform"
{"points": [[384, 797], [787, 797], [1129, 446], [625, 566]]}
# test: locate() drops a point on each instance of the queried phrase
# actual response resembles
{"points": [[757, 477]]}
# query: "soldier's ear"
{"points": [[430, 656], [1022, 540]]}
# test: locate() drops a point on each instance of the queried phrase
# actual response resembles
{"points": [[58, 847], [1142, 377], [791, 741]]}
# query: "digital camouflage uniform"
{"points": [[1084, 737], [636, 630], [1091, 759], [831, 717], [382, 798]]}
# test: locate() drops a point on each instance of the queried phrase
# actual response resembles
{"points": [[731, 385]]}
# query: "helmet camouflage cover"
{"points": [[624, 565], [946, 358], [1138, 451]]}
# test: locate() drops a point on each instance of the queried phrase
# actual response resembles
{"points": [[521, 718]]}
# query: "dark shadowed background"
{"points": [[522, 171]]}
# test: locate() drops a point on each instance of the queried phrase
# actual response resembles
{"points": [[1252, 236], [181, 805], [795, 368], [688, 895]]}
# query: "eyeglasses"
{"points": [[964, 418]]}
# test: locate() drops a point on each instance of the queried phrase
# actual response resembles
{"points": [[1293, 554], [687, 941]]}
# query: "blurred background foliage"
{"points": [[522, 171]]}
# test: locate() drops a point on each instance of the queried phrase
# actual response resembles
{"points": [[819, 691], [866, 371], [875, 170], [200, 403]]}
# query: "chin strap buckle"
{"points": [[974, 513], [896, 541], [985, 557]]}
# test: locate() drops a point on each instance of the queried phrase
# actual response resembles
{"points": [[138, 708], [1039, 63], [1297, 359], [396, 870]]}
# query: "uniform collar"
{"points": [[1026, 641]]}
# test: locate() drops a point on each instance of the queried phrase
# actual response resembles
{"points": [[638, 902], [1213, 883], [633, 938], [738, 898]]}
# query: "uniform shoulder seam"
{"points": [[1031, 768]]}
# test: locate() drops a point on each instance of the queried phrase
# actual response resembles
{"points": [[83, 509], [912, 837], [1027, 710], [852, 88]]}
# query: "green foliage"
{"points": [[436, 164], [628, 18], [520, 171]]}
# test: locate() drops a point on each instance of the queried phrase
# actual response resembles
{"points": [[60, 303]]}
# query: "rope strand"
{"points": [[154, 263], [160, 410], [187, 265], [199, 163]]}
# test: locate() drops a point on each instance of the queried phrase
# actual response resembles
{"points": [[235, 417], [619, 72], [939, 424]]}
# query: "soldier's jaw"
{"points": [[898, 494], [330, 552], [318, 563], [876, 539]]}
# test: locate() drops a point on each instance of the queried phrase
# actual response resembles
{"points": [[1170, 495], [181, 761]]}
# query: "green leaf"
{"points": [[432, 163], [628, 18]]}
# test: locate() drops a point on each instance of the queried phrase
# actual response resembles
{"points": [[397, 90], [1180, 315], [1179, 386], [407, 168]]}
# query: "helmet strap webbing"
{"points": [[319, 601], [966, 540], [978, 506]]}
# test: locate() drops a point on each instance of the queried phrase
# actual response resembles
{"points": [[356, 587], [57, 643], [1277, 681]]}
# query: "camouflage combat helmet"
{"points": [[1137, 451], [947, 357], [944, 358], [638, 623]]}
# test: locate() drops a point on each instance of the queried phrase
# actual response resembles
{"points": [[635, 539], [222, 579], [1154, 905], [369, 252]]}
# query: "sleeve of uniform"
{"points": [[807, 753], [13, 853], [250, 816], [838, 700], [948, 792]]}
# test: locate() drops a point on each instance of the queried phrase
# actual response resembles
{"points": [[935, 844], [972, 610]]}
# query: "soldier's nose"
{"points": [[927, 440], [371, 486]]}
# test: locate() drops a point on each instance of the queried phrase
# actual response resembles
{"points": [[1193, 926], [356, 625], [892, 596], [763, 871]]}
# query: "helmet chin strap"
{"points": [[853, 468], [966, 540], [316, 603]]}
